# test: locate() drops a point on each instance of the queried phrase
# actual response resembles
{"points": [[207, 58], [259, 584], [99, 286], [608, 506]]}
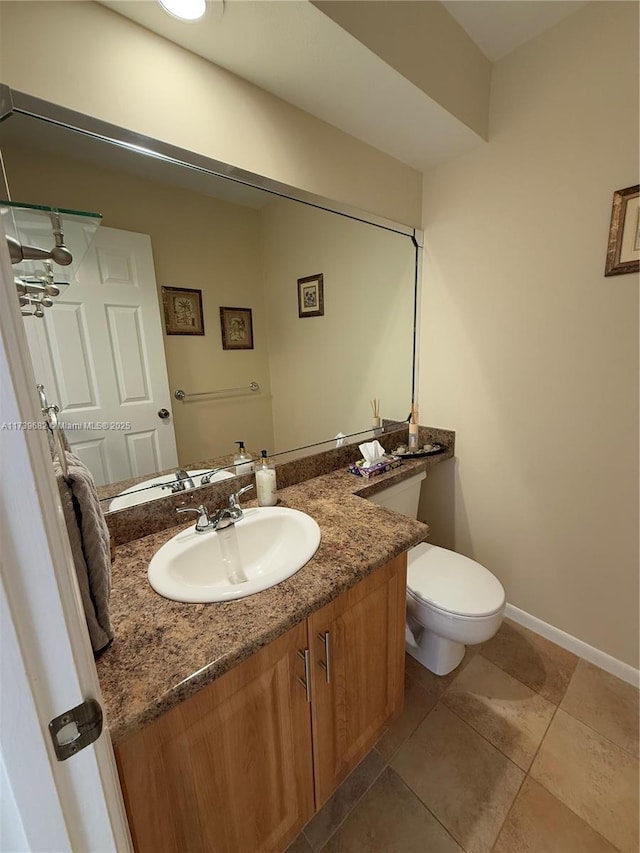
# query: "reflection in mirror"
{"points": [[112, 355]]}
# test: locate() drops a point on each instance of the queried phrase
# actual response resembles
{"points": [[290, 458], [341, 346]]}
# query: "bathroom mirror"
{"points": [[280, 319]]}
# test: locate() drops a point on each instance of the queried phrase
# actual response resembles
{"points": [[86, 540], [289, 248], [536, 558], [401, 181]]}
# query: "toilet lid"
{"points": [[453, 583]]}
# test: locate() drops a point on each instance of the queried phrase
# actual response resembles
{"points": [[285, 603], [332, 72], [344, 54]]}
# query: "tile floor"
{"points": [[525, 748]]}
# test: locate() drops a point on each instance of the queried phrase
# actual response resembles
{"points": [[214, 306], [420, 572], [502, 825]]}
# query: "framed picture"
{"points": [[237, 328], [623, 252], [182, 311], [311, 296]]}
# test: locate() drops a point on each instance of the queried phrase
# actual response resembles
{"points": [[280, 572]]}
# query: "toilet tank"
{"points": [[402, 497]]}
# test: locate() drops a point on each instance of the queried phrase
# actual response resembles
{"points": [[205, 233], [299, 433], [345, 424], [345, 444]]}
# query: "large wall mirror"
{"points": [[279, 319]]}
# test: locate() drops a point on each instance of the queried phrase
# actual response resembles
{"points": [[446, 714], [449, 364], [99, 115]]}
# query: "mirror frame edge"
{"points": [[13, 101]]}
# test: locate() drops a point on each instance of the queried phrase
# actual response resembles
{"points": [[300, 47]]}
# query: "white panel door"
{"points": [[100, 355]]}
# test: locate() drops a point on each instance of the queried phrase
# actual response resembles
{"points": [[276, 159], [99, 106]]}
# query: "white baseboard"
{"points": [[573, 644]]}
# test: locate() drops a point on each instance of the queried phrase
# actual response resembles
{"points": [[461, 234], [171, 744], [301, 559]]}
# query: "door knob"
{"points": [[163, 414]]}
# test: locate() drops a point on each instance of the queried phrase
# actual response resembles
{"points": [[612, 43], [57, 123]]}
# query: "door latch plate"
{"points": [[75, 729]]}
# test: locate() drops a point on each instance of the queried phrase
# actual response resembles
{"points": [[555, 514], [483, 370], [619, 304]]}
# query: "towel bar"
{"points": [[182, 395], [51, 416]]}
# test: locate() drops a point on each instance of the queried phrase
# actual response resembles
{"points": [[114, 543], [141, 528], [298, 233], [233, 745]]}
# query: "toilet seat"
{"points": [[452, 583]]}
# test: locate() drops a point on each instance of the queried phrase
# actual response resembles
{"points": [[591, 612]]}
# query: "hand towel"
{"points": [[90, 546]]}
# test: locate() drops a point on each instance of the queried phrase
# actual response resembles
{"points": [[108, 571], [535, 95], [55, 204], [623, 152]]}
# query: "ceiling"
{"points": [[500, 26], [291, 49]]}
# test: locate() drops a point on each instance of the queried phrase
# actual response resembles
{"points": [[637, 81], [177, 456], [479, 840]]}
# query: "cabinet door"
{"points": [[230, 769], [361, 686]]}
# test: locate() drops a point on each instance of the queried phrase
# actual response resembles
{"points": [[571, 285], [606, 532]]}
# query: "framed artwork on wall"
{"points": [[311, 296], [623, 251], [237, 328], [182, 311]]}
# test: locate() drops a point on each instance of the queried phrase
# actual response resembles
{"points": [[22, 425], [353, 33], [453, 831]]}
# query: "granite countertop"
{"points": [[164, 651]]}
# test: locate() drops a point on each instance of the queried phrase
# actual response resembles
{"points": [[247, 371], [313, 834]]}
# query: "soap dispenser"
{"points": [[242, 460], [266, 481]]}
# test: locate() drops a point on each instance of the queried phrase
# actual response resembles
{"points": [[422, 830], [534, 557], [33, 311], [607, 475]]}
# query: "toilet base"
{"points": [[437, 654]]}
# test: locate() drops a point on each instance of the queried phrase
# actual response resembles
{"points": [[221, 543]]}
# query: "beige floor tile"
{"points": [[595, 778], [390, 819], [538, 663], [539, 823], [334, 811], [604, 702], [467, 783], [500, 708], [435, 685], [417, 704]]}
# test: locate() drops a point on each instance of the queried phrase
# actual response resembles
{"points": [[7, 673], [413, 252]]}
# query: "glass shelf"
{"points": [[31, 225]]}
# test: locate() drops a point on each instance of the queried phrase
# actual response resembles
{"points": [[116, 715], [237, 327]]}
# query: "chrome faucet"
{"points": [[222, 518], [234, 502], [182, 482]]}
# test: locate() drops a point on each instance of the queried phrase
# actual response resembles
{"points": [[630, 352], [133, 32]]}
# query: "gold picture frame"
{"points": [[182, 311], [237, 328], [623, 251]]}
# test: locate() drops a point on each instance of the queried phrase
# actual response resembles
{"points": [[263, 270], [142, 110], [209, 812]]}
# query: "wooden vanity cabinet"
{"points": [[362, 688], [230, 768], [241, 766]]}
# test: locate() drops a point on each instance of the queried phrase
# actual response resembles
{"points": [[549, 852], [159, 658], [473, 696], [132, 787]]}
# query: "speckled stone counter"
{"points": [[155, 515], [164, 651]]}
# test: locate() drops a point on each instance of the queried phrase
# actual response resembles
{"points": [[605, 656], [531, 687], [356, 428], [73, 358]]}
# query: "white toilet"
{"points": [[452, 601]]}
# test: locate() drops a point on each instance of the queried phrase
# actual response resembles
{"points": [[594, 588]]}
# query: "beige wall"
{"points": [[325, 370], [88, 58], [419, 41], [528, 352], [197, 242]]}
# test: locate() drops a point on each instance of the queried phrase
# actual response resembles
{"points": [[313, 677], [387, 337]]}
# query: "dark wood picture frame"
{"points": [[623, 251], [237, 328], [182, 311], [311, 296]]}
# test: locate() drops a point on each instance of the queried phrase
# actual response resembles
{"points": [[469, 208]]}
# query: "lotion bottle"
{"points": [[266, 481], [242, 460]]}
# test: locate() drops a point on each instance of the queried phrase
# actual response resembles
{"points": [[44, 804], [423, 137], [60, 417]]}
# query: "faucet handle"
{"points": [[206, 478], [204, 520], [234, 499], [243, 490]]}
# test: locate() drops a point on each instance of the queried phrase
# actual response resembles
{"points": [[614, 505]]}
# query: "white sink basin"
{"points": [[151, 490], [263, 548]]}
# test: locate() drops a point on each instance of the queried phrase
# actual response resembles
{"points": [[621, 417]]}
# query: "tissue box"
{"points": [[387, 464]]}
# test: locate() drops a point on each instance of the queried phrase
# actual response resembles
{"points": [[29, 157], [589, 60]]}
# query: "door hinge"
{"points": [[75, 729]]}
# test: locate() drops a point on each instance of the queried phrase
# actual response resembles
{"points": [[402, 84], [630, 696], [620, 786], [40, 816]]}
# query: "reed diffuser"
{"points": [[376, 421], [413, 428]]}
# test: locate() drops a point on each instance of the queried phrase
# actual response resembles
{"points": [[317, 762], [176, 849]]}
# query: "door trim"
{"points": [[50, 642]]}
